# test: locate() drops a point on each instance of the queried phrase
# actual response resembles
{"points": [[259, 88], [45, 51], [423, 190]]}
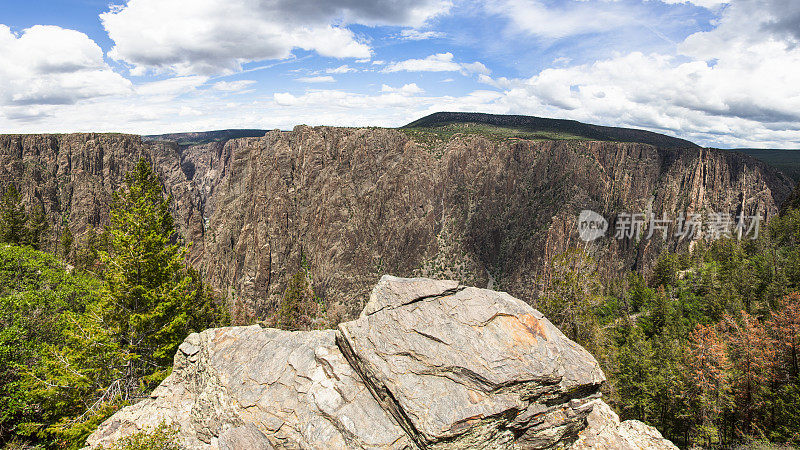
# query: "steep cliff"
{"points": [[356, 203], [352, 204], [428, 365]]}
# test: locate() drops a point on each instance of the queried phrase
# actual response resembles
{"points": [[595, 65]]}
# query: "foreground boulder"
{"points": [[250, 387], [472, 367], [429, 364], [605, 431]]}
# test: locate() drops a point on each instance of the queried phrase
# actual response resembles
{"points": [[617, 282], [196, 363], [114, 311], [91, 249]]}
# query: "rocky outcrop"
{"points": [[356, 203], [265, 387], [438, 365], [604, 431]]}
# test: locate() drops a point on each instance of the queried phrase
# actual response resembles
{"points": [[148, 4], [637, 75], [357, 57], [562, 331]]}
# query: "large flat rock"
{"points": [[476, 367], [250, 388], [391, 292], [433, 365]]}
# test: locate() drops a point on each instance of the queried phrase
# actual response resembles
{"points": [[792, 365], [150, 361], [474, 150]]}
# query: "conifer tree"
{"points": [[37, 228], [571, 295], [708, 372], [153, 301], [13, 218], [66, 241], [751, 347]]}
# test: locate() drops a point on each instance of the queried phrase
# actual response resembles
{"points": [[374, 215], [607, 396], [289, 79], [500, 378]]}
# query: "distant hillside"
{"points": [[787, 161], [529, 127], [204, 137]]}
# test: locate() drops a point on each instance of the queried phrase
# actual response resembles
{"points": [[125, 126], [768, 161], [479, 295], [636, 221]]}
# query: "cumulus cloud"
{"points": [[733, 85], [784, 17], [209, 37], [406, 89], [440, 62], [476, 67], [49, 65], [569, 18]]}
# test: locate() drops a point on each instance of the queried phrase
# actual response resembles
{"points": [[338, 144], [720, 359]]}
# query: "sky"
{"points": [[720, 73]]}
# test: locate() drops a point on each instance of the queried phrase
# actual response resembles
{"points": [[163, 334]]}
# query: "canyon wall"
{"points": [[352, 204]]}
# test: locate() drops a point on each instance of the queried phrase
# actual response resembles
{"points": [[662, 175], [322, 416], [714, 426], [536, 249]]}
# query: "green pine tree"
{"points": [[153, 301], [37, 228], [13, 218], [571, 296], [66, 241]]}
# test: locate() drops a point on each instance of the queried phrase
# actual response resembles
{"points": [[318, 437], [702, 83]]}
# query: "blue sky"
{"points": [[721, 73]]}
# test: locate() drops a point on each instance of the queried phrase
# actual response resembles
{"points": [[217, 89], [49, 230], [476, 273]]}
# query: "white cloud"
{"points": [[406, 89], [336, 107], [209, 37], [341, 69], [500, 83], [735, 85], [412, 34], [317, 79], [570, 18], [48, 65], [476, 67], [440, 62], [708, 4], [284, 98], [233, 86]]}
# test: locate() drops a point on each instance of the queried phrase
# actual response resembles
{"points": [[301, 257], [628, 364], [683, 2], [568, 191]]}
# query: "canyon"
{"points": [[352, 204]]}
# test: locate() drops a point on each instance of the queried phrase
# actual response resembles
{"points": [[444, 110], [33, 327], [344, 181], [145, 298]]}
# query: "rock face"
{"points": [[605, 431], [264, 387], [437, 366], [357, 203]]}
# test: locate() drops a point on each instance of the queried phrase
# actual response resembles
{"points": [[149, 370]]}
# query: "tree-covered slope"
{"points": [[78, 343], [787, 161], [540, 127]]}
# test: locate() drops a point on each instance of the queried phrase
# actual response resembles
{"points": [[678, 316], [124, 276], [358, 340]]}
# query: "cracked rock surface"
{"points": [[429, 364], [605, 432], [250, 388], [476, 367]]}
